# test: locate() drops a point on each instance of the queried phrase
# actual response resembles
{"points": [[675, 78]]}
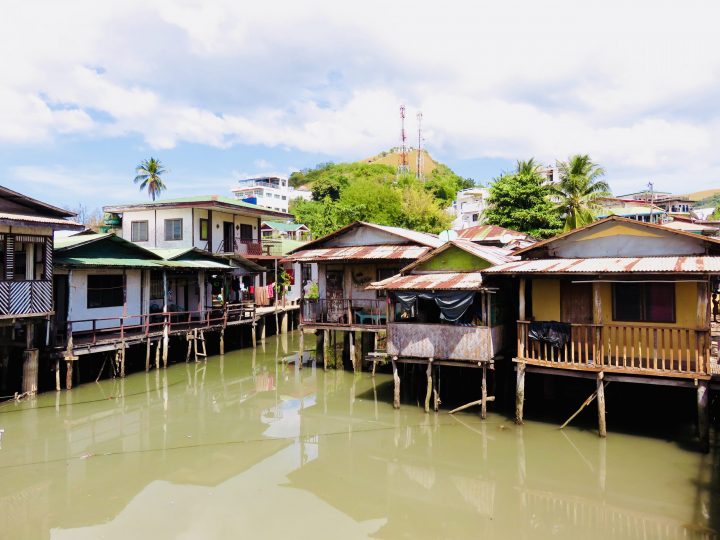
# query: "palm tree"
{"points": [[527, 168], [578, 192], [148, 174]]}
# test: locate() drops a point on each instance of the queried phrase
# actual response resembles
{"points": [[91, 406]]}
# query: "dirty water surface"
{"points": [[249, 445]]}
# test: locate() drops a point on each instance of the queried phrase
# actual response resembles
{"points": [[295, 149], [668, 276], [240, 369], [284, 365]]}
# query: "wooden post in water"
{"points": [[396, 380], [483, 395], [68, 375], [436, 404], [222, 341], [602, 427], [157, 354], [428, 392], [122, 360], [30, 361], [148, 347], [520, 393], [254, 335], [351, 349], [326, 348], [301, 346], [262, 329], [284, 323], [57, 375], [703, 416]]}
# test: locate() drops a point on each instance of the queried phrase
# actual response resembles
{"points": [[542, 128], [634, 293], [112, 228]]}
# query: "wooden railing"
{"points": [[624, 348], [344, 312], [94, 331]]}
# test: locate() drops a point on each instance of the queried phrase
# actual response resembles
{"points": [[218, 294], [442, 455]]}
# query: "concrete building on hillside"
{"points": [[270, 192], [468, 207]]}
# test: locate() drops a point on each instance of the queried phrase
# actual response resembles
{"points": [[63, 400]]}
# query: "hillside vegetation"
{"points": [[347, 192]]}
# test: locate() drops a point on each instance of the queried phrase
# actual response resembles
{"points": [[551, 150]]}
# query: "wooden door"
{"points": [[576, 302], [228, 237], [334, 295], [576, 307]]}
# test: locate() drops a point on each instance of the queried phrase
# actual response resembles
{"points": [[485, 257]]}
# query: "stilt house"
{"points": [[26, 281], [618, 300]]}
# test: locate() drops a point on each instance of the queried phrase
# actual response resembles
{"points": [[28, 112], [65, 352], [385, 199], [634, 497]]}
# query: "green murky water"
{"points": [[249, 446]]}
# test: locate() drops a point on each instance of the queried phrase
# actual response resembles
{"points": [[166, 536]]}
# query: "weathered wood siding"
{"points": [[443, 341]]}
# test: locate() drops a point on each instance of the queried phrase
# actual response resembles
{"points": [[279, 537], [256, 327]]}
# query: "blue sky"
{"points": [[221, 89]]}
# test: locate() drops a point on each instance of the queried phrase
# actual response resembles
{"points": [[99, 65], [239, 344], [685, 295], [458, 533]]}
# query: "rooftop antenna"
{"points": [[419, 172], [652, 200], [403, 167]]}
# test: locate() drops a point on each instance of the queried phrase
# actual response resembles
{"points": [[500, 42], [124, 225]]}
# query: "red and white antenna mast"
{"points": [[419, 167], [403, 167]]}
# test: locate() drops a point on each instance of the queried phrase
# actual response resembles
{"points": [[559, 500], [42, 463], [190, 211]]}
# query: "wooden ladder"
{"points": [[193, 339]]}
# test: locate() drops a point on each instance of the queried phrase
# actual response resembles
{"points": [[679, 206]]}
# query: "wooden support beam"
{"points": [[703, 416], [436, 404], [521, 300], [57, 375], [488, 399], [148, 348], [122, 360], [222, 341], [284, 323], [254, 335], [68, 375], [396, 381], [484, 396], [520, 393], [428, 393], [30, 361], [157, 354], [351, 350], [326, 348], [602, 427]]}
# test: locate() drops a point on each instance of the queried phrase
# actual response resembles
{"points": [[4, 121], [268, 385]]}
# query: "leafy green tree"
{"points": [[579, 190], [444, 184], [520, 201], [149, 173]]}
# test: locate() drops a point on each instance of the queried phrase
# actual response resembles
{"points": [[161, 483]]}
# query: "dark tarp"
{"points": [[556, 334], [452, 304]]}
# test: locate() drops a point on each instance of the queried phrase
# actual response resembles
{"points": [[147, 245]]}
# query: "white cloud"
{"points": [[633, 84]]}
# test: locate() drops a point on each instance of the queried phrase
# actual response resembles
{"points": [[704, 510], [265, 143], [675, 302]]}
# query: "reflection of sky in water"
{"points": [[284, 420]]}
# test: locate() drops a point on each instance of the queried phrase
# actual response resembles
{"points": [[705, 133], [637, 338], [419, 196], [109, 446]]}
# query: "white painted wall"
{"points": [[77, 305], [365, 236], [156, 226]]}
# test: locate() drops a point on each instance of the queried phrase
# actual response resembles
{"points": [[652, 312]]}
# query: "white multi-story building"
{"points": [[270, 192], [468, 207]]}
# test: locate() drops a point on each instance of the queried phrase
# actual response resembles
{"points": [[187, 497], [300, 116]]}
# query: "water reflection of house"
{"points": [[348, 260], [632, 299], [442, 313]]}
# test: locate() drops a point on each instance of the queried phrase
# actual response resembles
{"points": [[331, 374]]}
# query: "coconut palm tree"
{"points": [[148, 175], [527, 168], [578, 192]]}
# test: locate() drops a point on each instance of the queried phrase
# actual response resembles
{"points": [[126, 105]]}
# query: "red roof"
{"points": [[490, 233], [358, 253]]}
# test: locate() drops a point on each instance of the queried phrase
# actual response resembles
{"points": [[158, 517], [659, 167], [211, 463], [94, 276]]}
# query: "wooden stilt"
{"points": [[301, 347], [148, 348], [165, 347], [262, 329], [428, 391], [483, 395], [254, 335], [703, 416], [436, 381], [351, 346], [222, 341], [189, 338], [68, 375], [326, 348], [396, 380], [157, 354], [520, 393], [602, 427], [284, 323], [57, 375], [30, 362]]}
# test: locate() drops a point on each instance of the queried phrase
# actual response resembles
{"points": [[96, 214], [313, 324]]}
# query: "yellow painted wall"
{"points": [[685, 306], [546, 299]]}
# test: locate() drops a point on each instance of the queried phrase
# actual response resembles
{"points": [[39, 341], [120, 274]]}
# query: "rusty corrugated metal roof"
{"points": [[41, 220], [358, 253], [434, 281], [489, 233], [620, 265]]}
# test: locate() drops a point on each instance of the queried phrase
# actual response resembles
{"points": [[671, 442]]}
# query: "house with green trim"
{"points": [[102, 278]]}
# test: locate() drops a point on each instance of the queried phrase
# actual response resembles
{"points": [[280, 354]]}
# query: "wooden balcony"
{"points": [[345, 312], [633, 349], [443, 341], [25, 298]]}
